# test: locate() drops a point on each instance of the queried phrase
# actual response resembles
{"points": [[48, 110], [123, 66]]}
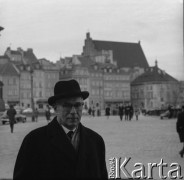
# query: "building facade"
{"points": [[10, 76], [35, 79], [154, 89], [106, 83]]}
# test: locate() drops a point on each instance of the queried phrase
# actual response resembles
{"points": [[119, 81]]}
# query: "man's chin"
{"points": [[73, 124]]}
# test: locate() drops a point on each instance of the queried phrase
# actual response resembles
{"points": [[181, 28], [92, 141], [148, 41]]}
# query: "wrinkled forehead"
{"points": [[69, 100]]}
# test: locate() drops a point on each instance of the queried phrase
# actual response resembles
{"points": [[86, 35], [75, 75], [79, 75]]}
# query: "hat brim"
{"points": [[52, 99]]}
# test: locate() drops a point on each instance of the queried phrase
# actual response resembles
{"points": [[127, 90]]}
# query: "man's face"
{"points": [[69, 111]]}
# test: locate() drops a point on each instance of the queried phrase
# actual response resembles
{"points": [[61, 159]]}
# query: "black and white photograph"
{"points": [[91, 89]]}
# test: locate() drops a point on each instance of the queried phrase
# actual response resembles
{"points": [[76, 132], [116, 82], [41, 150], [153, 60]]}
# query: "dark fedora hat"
{"points": [[66, 89]]}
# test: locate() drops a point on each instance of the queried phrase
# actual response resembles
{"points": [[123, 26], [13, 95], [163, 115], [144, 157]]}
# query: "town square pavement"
{"points": [[147, 140]]}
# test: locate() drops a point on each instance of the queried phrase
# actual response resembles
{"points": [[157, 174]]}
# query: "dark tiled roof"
{"points": [[126, 54], [30, 58], [153, 75], [9, 69], [15, 52], [4, 57]]}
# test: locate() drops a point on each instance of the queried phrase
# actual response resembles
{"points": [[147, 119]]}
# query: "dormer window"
{"points": [[28, 68], [95, 67], [110, 70]]}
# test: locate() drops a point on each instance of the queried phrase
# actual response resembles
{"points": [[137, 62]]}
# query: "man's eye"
{"points": [[68, 105], [78, 105]]}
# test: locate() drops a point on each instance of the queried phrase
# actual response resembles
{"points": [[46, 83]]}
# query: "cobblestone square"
{"points": [[147, 140]]}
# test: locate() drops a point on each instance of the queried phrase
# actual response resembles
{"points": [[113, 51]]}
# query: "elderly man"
{"points": [[64, 148]]}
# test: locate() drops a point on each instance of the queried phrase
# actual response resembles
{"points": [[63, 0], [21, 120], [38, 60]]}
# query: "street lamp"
{"points": [[32, 95], [1, 28]]}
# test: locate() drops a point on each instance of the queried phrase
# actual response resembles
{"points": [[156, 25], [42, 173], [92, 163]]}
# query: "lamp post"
{"points": [[32, 95], [1, 28]]}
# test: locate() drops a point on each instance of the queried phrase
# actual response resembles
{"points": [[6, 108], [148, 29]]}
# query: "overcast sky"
{"points": [[55, 28]]}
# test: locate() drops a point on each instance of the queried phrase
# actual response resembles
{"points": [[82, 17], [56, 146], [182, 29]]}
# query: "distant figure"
{"points": [[121, 111], [180, 129], [11, 112], [131, 112], [47, 114], [126, 112], [93, 111], [107, 112], [89, 111], [98, 110], [136, 113], [36, 115]]}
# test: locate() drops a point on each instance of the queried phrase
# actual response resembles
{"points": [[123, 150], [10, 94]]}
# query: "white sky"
{"points": [[55, 28]]}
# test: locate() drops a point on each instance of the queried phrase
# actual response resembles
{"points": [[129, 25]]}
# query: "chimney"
{"points": [[88, 35], [19, 49], [156, 63], [30, 50]]}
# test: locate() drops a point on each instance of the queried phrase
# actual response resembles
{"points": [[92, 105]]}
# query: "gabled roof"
{"points": [[8, 69], [15, 52], [30, 58], [126, 54], [153, 75], [4, 59]]}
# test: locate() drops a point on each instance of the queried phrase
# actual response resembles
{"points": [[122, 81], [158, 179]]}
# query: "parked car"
{"points": [[18, 118], [85, 112], [166, 114], [52, 111], [28, 110]]}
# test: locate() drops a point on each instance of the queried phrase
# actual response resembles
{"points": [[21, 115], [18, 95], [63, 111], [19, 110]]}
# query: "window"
{"points": [[40, 106], [93, 92]]}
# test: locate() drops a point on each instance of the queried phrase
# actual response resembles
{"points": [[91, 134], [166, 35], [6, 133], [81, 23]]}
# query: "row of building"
{"points": [[113, 73]]}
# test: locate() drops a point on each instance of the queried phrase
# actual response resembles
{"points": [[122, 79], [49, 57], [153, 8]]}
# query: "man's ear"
{"points": [[55, 108]]}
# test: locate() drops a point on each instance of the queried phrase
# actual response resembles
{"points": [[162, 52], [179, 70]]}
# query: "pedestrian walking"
{"points": [[98, 109], [93, 111], [11, 112], [131, 112], [64, 148], [121, 111], [180, 129], [89, 111], [137, 113], [107, 112], [126, 112], [47, 113], [36, 115]]}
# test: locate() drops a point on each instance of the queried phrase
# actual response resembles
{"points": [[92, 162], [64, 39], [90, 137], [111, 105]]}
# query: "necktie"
{"points": [[70, 134]]}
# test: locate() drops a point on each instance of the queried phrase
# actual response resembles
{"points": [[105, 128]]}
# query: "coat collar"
{"points": [[59, 139]]}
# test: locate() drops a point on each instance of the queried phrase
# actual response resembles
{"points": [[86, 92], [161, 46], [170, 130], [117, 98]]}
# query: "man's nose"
{"points": [[73, 110]]}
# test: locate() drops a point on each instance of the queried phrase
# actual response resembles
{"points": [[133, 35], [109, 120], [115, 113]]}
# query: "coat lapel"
{"points": [[59, 139], [82, 151]]}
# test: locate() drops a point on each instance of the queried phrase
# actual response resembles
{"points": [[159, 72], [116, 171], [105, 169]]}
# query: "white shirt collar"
{"points": [[66, 130]]}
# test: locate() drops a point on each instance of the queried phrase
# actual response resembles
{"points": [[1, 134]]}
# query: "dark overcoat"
{"points": [[11, 115], [180, 126], [107, 111], [46, 153]]}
